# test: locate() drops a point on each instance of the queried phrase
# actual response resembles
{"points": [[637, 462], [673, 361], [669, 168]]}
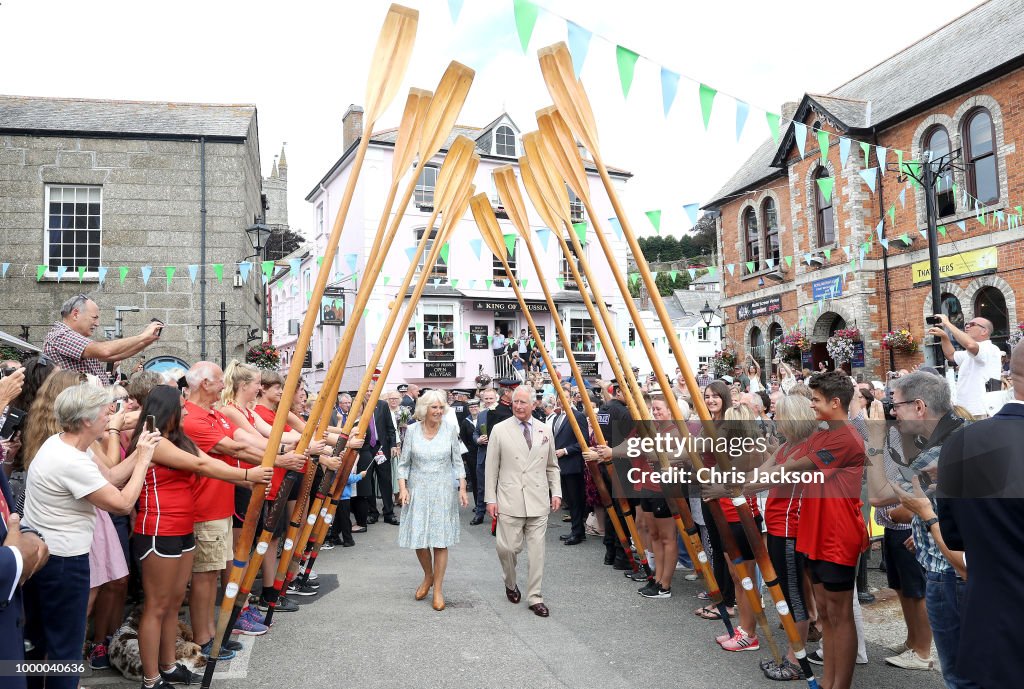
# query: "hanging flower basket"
{"points": [[851, 334], [840, 349], [793, 345], [723, 362], [900, 341], [263, 355]]}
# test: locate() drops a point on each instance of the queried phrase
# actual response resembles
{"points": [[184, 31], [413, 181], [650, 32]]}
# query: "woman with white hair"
{"points": [[66, 483], [429, 462]]}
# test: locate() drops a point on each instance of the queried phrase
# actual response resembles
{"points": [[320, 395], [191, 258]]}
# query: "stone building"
{"points": [[89, 188], [856, 255]]}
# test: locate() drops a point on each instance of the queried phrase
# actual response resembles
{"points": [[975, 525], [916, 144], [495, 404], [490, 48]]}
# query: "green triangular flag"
{"points": [[40, 271], [488, 283], [170, 274], [773, 125], [81, 273], [218, 270], [366, 312], [672, 274], [581, 231], [510, 243], [123, 272], [627, 61], [522, 283], [942, 230], [633, 277], [825, 184], [828, 254], [866, 147], [268, 270], [905, 238], [707, 99], [387, 279], [454, 282], [789, 261], [319, 261], [712, 270], [560, 282], [526, 18], [981, 218], [750, 266], [823, 143], [892, 213], [489, 338], [655, 218], [444, 252]]}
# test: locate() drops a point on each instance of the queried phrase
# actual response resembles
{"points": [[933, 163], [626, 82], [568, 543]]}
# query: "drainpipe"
{"points": [[202, 248], [885, 259]]}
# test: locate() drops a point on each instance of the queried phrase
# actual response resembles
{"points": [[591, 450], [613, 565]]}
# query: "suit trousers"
{"points": [[512, 532], [481, 482], [469, 462], [378, 477], [574, 492]]}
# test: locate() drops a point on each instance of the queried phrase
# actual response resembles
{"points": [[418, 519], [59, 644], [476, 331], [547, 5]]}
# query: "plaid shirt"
{"points": [[703, 380], [926, 550], [65, 348]]}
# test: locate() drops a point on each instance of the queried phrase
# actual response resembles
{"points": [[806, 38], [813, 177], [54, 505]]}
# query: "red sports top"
{"points": [[728, 509], [782, 509], [268, 414], [831, 526], [165, 504], [275, 481], [214, 499]]}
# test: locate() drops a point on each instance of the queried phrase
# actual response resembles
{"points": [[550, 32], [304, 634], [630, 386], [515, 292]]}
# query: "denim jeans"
{"points": [[684, 557], [944, 594], [56, 599]]}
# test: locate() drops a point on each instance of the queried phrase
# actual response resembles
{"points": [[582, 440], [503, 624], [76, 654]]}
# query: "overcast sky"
{"points": [[302, 63]]}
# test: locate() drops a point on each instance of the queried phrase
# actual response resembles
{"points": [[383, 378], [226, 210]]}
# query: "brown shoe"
{"points": [[421, 592], [539, 609], [513, 595]]}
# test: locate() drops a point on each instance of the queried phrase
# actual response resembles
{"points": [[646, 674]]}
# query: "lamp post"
{"points": [[258, 235]]}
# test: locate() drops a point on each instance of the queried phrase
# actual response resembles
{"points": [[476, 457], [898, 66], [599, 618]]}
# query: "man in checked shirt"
{"points": [[69, 347]]}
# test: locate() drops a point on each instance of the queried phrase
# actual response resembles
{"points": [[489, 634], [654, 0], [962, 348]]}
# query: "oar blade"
{"points": [[566, 91], [536, 190], [409, 132], [449, 97], [390, 59], [483, 214], [511, 198], [559, 143]]}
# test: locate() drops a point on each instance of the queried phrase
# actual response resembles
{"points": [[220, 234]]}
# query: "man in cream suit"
{"points": [[522, 486]]}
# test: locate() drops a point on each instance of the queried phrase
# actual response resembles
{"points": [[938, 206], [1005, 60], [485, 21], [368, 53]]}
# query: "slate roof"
{"points": [[954, 57], [129, 118]]}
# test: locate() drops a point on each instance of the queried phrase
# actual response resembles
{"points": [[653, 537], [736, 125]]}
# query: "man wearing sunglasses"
{"points": [[977, 363]]}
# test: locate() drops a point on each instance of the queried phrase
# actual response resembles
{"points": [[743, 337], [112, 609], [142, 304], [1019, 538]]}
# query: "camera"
{"points": [[7, 370], [933, 320], [160, 330]]}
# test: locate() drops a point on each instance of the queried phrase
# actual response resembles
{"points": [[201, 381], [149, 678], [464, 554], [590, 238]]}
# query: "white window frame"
{"points": [[569, 318], [429, 311], [498, 133], [704, 334], [498, 270], [420, 195], [440, 268], [48, 189], [319, 219], [577, 212], [564, 271]]}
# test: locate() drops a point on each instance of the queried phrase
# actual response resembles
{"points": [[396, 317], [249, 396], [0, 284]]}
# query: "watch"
{"points": [[928, 523], [874, 451]]}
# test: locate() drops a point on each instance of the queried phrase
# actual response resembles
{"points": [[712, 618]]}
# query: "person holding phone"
{"points": [[977, 363]]}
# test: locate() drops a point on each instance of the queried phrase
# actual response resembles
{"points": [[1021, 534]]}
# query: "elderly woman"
{"points": [[66, 483], [429, 463]]}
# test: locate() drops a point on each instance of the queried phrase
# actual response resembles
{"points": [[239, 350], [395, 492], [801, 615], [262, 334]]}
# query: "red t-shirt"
{"points": [[268, 414], [782, 509], [166, 504], [214, 499], [831, 526], [728, 509]]}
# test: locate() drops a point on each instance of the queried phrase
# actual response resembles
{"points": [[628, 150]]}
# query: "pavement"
{"points": [[365, 629]]}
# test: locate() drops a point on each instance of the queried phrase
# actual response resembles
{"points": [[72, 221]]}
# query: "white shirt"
{"points": [[59, 478], [973, 372]]}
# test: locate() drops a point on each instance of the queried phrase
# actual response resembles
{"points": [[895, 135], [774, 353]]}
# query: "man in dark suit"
{"points": [[570, 466], [980, 510], [379, 442], [488, 398], [409, 394]]}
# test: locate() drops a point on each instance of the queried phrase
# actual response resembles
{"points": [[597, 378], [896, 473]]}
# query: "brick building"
{"points": [[954, 90], [99, 184]]}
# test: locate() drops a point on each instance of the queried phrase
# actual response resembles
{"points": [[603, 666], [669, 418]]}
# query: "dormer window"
{"points": [[504, 141]]}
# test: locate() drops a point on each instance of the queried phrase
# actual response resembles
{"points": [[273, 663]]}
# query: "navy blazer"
{"points": [[481, 450], [980, 500], [565, 439], [12, 616]]}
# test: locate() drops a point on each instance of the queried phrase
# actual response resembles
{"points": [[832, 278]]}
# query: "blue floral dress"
{"points": [[431, 469]]}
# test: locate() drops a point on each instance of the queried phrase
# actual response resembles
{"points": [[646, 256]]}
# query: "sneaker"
{"points": [[181, 675], [327, 546], [159, 684], [816, 658], [900, 648], [656, 592], [296, 589], [741, 642], [207, 648], [680, 567], [909, 660], [312, 576], [649, 586], [313, 584], [250, 623], [98, 659], [283, 605], [785, 672], [722, 638], [232, 645], [692, 576]]}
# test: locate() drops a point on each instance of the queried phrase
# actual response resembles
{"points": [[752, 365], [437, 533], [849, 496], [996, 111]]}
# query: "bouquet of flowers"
{"points": [[723, 362], [839, 348], [793, 344], [899, 341], [263, 355], [1016, 335]]}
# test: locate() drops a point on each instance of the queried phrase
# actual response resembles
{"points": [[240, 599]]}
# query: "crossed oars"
{"points": [[390, 60], [571, 99]]}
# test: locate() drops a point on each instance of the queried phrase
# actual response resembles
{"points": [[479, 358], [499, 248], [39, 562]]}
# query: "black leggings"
{"points": [[719, 560]]}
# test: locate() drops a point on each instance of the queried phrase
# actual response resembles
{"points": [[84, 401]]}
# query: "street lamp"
{"points": [[707, 313], [258, 235]]}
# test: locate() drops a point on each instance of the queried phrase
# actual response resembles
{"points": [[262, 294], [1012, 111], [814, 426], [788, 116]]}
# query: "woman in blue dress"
{"points": [[428, 467]]}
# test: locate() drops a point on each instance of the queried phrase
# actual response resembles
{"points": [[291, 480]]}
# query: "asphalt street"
{"points": [[366, 630]]}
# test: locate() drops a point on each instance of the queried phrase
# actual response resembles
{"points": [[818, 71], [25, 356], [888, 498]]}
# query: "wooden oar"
{"points": [[390, 60]]}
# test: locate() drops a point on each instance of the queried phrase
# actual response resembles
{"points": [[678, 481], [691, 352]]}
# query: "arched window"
{"points": [[979, 138], [936, 141], [771, 230], [990, 303], [752, 237], [424, 193], [774, 340], [825, 215], [504, 141]]}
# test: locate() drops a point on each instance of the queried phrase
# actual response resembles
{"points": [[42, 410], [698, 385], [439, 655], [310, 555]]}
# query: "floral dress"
{"points": [[431, 469]]}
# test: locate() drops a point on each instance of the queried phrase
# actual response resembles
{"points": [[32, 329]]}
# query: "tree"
{"points": [[705, 236], [282, 242]]}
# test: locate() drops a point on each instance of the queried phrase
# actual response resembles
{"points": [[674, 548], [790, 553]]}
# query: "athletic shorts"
{"points": [[656, 506], [162, 546], [789, 570], [746, 551], [902, 570], [213, 545], [831, 575]]}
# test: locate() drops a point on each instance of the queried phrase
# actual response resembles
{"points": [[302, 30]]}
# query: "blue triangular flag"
{"points": [[880, 152], [691, 212], [146, 272], [617, 226], [293, 266], [243, 268], [903, 198], [844, 150], [880, 227], [476, 245], [102, 274], [962, 224], [692, 272], [742, 110], [924, 234], [351, 260], [193, 271], [472, 284], [579, 44], [410, 252], [800, 132], [885, 243], [807, 259], [544, 234], [5, 266], [732, 268], [771, 263], [669, 86], [60, 272], [870, 176], [455, 7]]}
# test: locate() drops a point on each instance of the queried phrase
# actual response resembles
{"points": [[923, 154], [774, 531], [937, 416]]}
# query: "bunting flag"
{"points": [[880, 152], [789, 261], [844, 150], [826, 184], [61, 270], [712, 269], [962, 224], [146, 272], [319, 261], [771, 263], [193, 271], [488, 283], [742, 110], [455, 7], [580, 228], [750, 266], [633, 277], [800, 132], [823, 144], [102, 272], [617, 226], [544, 235], [387, 279], [3, 269], [445, 252], [351, 260], [579, 44], [560, 282], [626, 60], [773, 125], [40, 272], [510, 243], [707, 100], [268, 270], [880, 228], [655, 218], [476, 245], [691, 212], [170, 274], [526, 17], [828, 254], [870, 177], [732, 268], [218, 271], [942, 230], [81, 273], [522, 283], [866, 147], [411, 251], [243, 269], [903, 198], [905, 238], [885, 243], [669, 86], [892, 213], [123, 273]]}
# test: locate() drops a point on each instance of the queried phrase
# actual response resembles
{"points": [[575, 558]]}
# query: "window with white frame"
{"points": [[566, 271], [702, 334], [704, 360], [307, 282], [74, 227], [575, 206], [440, 269], [435, 338], [424, 192], [499, 270], [582, 336], [319, 219], [504, 141]]}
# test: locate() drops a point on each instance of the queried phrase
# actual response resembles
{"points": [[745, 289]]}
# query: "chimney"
{"points": [[351, 126], [788, 110]]}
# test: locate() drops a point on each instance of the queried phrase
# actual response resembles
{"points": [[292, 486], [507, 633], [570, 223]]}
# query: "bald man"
{"points": [[978, 362]]}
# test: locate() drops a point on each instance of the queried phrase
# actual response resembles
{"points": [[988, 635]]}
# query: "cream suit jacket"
{"points": [[519, 479]]}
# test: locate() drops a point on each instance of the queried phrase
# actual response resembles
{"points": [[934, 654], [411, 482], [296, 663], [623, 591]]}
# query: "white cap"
{"points": [[877, 385]]}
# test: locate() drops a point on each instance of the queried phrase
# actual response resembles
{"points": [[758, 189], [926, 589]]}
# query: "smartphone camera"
{"points": [[7, 370], [150, 423], [933, 320], [160, 330]]}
